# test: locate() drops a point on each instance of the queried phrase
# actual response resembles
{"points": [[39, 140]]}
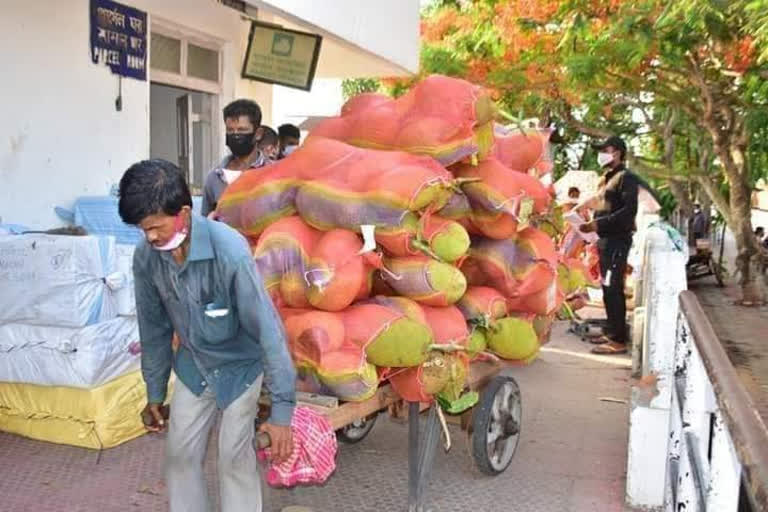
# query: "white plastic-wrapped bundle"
{"points": [[83, 357], [125, 296], [67, 281]]}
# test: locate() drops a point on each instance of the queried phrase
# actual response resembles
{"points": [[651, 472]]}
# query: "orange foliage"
{"points": [[740, 54]]}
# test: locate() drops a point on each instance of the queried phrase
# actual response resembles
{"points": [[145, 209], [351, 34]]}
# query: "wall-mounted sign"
{"points": [[119, 38], [281, 56]]}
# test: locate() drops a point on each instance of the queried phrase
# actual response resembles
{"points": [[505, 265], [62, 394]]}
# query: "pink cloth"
{"points": [[314, 452]]}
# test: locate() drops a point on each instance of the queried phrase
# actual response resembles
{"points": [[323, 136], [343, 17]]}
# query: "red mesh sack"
{"points": [[370, 187], [501, 199], [408, 307], [542, 302], [317, 345], [527, 152], [483, 304], [446, 118], [283, 248], [388, 336], [259, 197], [364, 101], [425, 280], [336, 271], [441, 370], [433, 235], [517, 267]]}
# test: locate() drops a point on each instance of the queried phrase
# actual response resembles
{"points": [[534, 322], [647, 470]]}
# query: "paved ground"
{"points": [[572, 457], [742, 332]]}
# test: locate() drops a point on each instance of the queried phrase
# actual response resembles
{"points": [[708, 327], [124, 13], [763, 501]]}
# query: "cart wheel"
{"points": [[496, 424], [357, 430], [717, 270]]}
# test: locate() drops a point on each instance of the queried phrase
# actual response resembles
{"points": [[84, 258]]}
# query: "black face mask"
{"points": [[241, 144]]}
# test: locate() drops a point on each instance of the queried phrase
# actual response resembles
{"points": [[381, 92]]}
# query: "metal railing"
{"points": [[717, 439]]}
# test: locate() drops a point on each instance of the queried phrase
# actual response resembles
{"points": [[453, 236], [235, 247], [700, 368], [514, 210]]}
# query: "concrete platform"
{"points": [[571, 458]]}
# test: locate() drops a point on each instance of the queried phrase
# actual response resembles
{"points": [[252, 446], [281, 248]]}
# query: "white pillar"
{"points": [[664, 279]]}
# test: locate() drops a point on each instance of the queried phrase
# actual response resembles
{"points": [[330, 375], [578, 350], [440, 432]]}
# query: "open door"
{"points": [[185, 135]]}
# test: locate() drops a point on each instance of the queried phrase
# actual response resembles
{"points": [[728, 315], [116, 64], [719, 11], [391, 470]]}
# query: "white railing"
{"points": [[696, 442], [721, 441], [703, 470]]}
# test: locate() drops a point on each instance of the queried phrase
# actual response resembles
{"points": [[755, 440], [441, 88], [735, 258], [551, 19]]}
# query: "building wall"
{"points": [[61, 136]]}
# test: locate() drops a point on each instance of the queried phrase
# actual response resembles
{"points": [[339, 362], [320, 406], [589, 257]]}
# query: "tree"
{"points": [[685, 79]]}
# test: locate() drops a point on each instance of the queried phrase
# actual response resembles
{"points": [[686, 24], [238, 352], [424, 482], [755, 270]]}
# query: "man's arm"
{"points": [[623, 219], [155, 331], [260, 319]]}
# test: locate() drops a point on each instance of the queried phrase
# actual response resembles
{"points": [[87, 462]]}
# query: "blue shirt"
{"points": [[229, 330]]}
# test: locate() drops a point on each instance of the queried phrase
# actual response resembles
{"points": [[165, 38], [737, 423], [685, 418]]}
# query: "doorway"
{"points": [[181, 130]]}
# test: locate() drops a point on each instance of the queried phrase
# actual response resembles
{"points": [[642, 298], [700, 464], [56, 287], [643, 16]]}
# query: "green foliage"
{"points": [[353, 86]]}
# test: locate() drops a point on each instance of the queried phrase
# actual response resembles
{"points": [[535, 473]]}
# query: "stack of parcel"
{"points": [[69, 344]]}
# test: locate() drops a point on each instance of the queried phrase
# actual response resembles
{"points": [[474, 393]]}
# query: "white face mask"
{"points": [[231, 176], [604, 159], [176, 240], [287, 150]]}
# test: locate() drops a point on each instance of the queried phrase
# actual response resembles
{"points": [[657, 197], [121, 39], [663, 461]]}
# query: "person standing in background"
{"points": [[614, 223], [269, 146], [242, 119], [699, 224], [290, 138]]}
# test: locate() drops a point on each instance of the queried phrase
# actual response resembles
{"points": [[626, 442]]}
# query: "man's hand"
{"points": [[588, 227], [154, 417], [281, 441]]}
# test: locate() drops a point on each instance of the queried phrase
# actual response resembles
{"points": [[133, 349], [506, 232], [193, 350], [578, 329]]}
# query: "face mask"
{"points": [[177, 239], [230, 176], [241, 144], [604, 159], [287, 150]]}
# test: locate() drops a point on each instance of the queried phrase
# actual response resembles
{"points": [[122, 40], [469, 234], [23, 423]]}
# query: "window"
{"points": [[202, 63], [165, 53], [183, 60]]}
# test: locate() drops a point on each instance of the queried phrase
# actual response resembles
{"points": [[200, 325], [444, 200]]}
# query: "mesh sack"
{"points": [[388, 336], [526, 151], [336, 271], [445, 118], [482, 304], [514, 338], [425, 280], [517, 267], [284, 249]]}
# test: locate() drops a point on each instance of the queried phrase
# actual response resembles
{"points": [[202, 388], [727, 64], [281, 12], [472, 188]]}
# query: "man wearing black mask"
{"points": [[615, 224], [242, 119]]}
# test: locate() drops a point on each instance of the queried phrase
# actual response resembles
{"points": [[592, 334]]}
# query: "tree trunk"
{"points": [[749, 259]]}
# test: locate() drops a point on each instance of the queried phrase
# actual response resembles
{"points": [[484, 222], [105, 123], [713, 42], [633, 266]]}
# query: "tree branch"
{"points": [[713, 192]]}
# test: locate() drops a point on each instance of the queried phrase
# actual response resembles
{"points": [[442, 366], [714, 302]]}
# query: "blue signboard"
{"points": [[119, 38]]}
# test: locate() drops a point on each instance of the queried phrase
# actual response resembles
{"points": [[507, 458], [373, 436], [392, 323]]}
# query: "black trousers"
{"points": [[613, 265]]}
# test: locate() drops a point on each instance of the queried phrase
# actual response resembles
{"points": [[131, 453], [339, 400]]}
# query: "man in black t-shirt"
{"points": [[615, 224]]}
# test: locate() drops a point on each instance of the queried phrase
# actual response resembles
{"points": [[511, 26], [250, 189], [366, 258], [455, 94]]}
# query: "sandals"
{"points": [[610, 348], [600, 340]]}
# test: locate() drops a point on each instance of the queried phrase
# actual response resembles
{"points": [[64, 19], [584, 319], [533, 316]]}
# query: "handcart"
{"points": [[493, 425], [701, 263]]}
